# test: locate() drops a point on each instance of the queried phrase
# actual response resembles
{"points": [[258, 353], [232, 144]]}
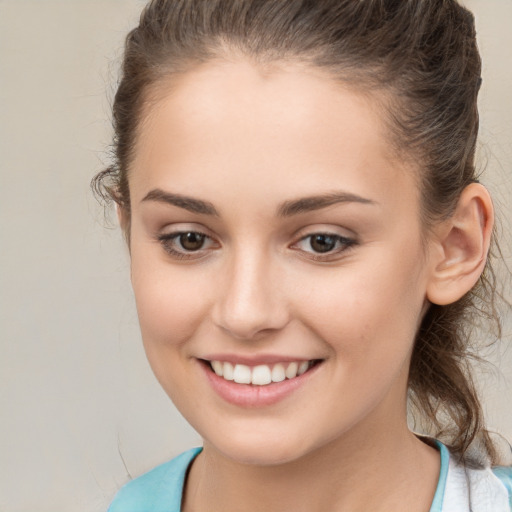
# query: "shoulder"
{"points": [[158, 490]]}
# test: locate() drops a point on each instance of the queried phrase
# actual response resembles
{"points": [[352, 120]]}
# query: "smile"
{"points": [[263, 374], [257, 383]]}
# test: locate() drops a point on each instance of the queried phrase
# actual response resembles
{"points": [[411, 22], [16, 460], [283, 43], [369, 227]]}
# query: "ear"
{"points": [[459, 246]]}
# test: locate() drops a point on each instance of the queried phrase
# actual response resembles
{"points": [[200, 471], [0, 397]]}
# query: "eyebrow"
{"points": [[307, 204], [181, 201], [286, 209]]}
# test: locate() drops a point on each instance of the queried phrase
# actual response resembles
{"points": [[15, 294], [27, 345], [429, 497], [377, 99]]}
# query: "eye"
{"points": [[322, 246], [322, 243], [191, 241], [186, 244]]}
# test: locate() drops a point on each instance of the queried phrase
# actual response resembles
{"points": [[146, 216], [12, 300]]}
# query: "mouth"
{"points": [[262, 374]]}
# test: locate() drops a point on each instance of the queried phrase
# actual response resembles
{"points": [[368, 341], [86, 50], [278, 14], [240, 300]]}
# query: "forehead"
{"points": [[233, 122]]}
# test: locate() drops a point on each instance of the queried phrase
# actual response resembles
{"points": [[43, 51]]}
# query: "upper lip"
{"points": [[256, 359]]}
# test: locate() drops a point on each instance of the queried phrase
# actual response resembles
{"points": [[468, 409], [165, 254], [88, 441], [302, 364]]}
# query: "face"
{"points": [[275, 240]]}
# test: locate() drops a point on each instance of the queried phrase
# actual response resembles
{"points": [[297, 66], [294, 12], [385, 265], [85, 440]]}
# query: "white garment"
{"points": [[474, 490]]}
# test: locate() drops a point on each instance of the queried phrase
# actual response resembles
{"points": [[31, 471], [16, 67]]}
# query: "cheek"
{"points": [[170, 307], [369, 312], [169, 300]]}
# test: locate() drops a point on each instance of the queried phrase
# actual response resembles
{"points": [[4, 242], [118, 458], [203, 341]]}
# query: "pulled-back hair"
{"points": [[421, 57]]}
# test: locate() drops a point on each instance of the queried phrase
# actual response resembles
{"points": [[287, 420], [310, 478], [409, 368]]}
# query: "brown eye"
{"points": [[323, 243], [324, 246], [186, 244], [191, 241]]}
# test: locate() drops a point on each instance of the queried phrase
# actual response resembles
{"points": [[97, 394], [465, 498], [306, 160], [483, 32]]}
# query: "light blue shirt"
{"points": [[161, 489]]}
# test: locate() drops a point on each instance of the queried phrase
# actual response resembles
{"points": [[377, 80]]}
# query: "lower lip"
{"points": [[248, 395]]}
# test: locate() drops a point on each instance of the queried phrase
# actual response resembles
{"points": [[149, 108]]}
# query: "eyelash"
{"points": [[168, 241]]}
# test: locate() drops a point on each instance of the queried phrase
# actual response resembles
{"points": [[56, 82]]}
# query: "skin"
{"points": [[246, 142]]}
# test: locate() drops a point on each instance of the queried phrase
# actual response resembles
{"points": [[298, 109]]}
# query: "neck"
{"points": [[378, 470]]}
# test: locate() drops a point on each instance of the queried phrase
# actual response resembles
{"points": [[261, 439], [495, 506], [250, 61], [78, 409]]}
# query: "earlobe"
{"points": [[460, 246]]}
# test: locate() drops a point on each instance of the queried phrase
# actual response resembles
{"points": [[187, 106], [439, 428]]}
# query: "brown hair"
{"points": [[422, 55]]}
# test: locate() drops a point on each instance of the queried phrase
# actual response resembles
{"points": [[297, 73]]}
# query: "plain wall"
{"points": [[80, 409]]}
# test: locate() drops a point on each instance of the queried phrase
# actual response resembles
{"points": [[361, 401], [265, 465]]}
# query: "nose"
{"points": [[250, 302]]}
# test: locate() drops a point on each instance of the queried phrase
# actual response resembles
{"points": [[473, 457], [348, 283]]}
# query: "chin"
{"points": [[259, 449]]}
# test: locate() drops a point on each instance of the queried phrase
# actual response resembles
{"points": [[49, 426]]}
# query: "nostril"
{"points": [[252, 325]]}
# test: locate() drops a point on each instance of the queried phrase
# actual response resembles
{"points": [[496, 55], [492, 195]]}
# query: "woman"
{"points": [[308, 239]]}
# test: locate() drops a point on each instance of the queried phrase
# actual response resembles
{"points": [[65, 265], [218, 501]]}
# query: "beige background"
{"points": [[76, 391]]}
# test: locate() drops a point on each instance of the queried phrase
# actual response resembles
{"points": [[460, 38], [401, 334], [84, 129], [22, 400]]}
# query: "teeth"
{"points": [[278, 373], [242, 374], [291, 370], [302, 367], [262, 374], [228, 371], [217, 367]]}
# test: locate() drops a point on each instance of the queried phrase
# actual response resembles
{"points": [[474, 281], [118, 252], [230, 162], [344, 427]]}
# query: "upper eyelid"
{"points": [[176, 234], [307, 232], [327, 233], [169, 231], [183, 227], [300, 235], [325, 228], [340, 238]]}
